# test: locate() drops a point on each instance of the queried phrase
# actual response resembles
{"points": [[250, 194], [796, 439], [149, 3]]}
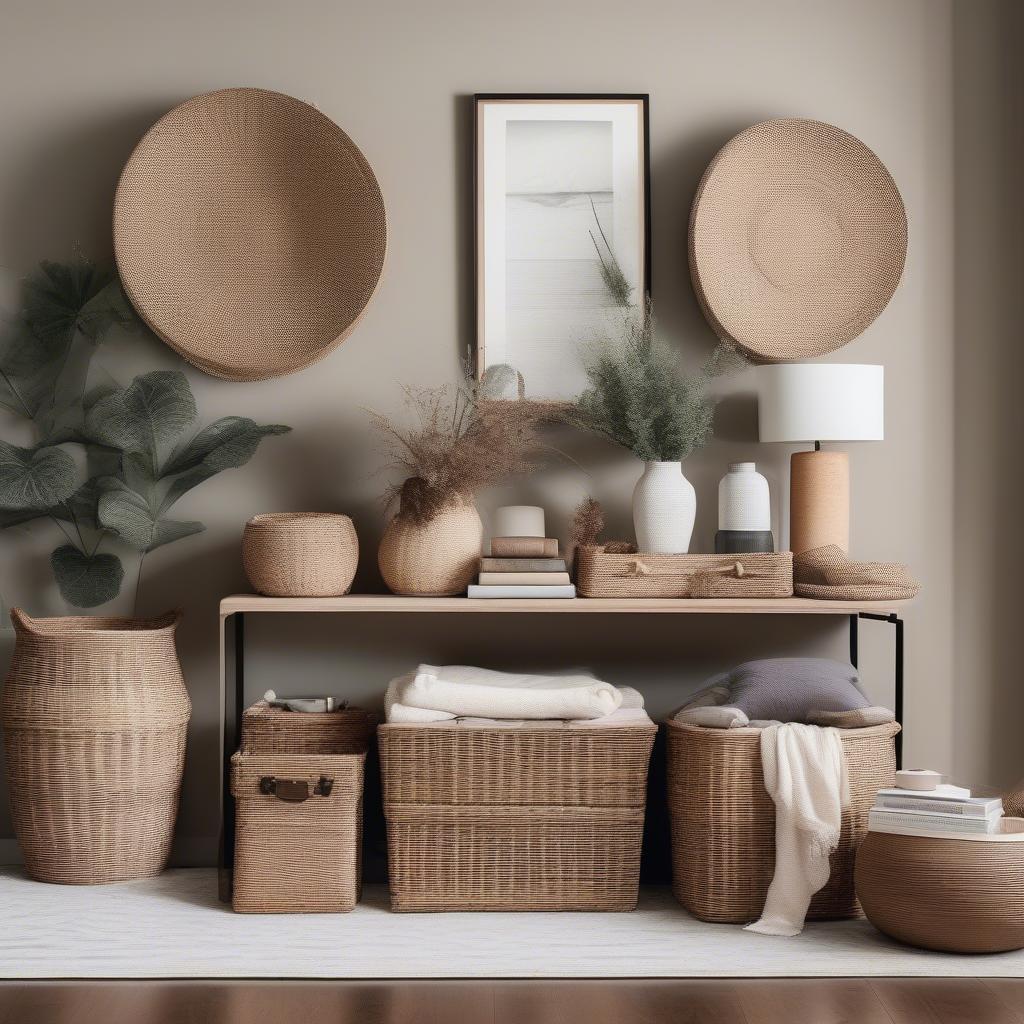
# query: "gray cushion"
{"points": [[788, 689]]}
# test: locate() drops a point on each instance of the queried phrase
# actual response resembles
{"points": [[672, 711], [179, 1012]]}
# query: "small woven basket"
{"points": [[514, 819], [957, 894], [272, 730], [298, 832], [300, 554], [601, 573], [723, 820]]}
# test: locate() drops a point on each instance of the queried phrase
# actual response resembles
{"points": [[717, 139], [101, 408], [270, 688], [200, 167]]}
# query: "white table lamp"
{"points": [[815, 402]]}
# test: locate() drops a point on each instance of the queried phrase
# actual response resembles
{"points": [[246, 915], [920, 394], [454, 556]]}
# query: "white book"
{"points": [[528, 579], [475, 590], [973, 807], [943, 792], [881, 820]]}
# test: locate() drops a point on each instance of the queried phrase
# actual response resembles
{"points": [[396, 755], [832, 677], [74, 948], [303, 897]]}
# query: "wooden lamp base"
{"points": [[819, 500]]}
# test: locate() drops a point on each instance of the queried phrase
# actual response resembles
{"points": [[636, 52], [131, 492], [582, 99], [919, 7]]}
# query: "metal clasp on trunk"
{"points": [[295, 791]]}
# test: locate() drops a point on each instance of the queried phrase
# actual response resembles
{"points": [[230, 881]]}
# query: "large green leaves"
{"points": [[148, 416], [128, 514], [86, 580], [34, 478], [227, 444]]}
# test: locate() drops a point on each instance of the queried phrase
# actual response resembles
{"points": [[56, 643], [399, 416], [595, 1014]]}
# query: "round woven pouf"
{"points": [[300, 554], [955, 895]]}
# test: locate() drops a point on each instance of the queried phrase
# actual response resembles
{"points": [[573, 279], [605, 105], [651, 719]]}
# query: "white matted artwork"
{"points": [[562, 231]]}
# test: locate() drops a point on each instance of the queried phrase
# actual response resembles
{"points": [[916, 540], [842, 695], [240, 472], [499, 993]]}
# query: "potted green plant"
{"points": [[641, 397]]}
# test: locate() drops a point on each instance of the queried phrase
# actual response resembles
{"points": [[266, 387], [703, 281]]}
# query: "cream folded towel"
{"points": [[438, 693], [805, 774]]}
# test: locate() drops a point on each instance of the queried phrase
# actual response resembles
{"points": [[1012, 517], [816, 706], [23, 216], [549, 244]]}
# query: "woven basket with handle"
{"points": [[524, 818], [723, 820], [94, 716], [601, 573]]}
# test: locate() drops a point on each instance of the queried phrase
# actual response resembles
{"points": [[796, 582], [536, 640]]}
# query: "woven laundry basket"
{"points": [[300, 554], [957, 894], [537, 817], [298, 832], [94, 717], [723, 820], [601, 573], [267, 729]]}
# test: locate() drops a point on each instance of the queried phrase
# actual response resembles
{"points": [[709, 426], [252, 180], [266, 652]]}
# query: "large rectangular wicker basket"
{"points": [[723, 820], [297, 857], [601, 573], [537, 817]]}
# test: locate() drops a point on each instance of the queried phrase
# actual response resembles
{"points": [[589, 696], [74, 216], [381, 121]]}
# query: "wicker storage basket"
{"points": [[517, 818], [723, 820], [601, 573], [962, 894], [298, 832], [300, 554], [271, 730], [94, 717]]}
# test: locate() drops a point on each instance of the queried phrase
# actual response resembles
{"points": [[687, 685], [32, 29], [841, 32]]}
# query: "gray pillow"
{"points": [[814, 690]]}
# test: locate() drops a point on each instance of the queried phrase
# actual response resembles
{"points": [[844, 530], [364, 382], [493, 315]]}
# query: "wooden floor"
{"points": [[875, 1001]]}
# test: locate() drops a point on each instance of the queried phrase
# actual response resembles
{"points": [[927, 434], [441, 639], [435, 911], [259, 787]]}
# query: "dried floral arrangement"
{"points": [[108, 462], [463, 437], [588, 525], [641, 397]]}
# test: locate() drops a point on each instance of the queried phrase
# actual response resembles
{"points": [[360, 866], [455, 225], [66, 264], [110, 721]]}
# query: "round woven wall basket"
{"points": [[798, 237], [94, 716], [249, 232], [434, 559], [957, 895], [300, 554]]}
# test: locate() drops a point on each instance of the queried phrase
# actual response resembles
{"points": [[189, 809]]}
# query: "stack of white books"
{"points": [[523, 567], [949, 809]]}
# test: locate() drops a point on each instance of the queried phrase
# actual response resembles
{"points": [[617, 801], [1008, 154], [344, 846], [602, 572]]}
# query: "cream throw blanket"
{"points": [[436, 693], [805, 774]]}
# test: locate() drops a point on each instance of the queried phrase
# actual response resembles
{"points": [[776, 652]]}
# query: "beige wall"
{"points": [[82, 81]]}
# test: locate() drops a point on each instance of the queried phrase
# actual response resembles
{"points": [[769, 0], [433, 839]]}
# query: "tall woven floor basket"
{"points": [[94, 713], [723, 820]]}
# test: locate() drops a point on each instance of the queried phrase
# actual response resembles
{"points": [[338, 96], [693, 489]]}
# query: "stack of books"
{"points": [[523, 567], [949, 809]]}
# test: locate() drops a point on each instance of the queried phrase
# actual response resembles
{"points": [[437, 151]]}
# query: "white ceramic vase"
{"points": [[743, 499], [664, 508]]}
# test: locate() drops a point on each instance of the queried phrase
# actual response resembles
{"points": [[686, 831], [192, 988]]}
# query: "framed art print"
{"points": [[562, 230]]}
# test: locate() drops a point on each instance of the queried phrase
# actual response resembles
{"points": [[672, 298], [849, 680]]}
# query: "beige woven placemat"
{"points": [[829, 574], [798, 237], [250, 232]]}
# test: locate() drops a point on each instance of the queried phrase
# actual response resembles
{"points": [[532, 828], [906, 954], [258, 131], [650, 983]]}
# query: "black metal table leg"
{"points": [[854, 652], [234, 704], [897, 622]]}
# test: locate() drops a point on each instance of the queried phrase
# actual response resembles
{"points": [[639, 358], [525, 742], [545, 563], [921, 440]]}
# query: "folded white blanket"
{"points": [[433, 693], [617, 719], [805, 775]]}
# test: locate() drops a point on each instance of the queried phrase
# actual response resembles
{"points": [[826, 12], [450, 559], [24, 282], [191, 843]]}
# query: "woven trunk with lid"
{"points": [[94, 717], [723, 820], [267, 729], [519, 818]]}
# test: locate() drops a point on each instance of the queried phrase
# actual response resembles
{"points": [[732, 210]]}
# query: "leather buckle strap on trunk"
{"points": [[295, 791]]}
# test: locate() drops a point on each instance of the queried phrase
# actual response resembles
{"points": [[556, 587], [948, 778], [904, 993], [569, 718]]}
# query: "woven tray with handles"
{"points": [[602, 573]]}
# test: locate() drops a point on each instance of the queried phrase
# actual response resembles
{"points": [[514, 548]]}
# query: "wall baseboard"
{"points": [[186, 852]]}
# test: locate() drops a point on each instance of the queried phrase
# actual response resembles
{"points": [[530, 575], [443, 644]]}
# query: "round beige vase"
{"points": [[434, 559]]}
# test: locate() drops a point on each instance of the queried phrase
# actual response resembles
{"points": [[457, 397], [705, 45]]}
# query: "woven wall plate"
{"points": [[798, 237], [249, 232]]}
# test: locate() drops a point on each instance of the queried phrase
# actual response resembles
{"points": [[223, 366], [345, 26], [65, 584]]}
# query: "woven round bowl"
{"points": [[798, 237], [956, 895], [300, 554], [249, 232]]}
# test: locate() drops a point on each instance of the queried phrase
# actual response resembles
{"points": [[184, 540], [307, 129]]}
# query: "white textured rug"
{"points": [[173, 927]]}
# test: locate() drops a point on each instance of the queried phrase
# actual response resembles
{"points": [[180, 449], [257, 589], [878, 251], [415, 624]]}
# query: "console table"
{"points": [[233, 612]]}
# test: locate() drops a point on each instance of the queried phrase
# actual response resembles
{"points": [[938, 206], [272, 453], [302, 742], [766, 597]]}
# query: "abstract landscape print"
{"points": [[562, 212]]}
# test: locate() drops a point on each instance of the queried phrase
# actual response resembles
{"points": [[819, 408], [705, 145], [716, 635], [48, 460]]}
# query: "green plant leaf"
{"points": [[227, 444], [128, 514], [34, 478], [148, 416], [86, 580]]}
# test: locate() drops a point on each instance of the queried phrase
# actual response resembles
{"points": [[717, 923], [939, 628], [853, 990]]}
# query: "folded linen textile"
{"points": [[617, 719], [434, 693], [805, 774]]}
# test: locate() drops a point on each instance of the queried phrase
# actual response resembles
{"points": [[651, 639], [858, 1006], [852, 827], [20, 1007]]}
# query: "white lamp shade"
{"points": [[821, 402]]}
